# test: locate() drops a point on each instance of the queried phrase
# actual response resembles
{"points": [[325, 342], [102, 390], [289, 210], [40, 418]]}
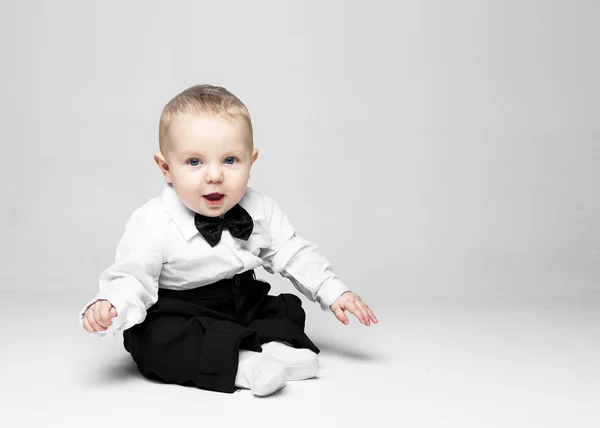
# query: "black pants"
{"points": [[193, 337]]}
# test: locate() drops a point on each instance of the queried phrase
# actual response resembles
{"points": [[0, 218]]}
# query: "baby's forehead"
{"points": [[190, 132], [200, 121]]}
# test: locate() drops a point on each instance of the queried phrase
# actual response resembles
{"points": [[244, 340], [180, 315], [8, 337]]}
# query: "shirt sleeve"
{"points": [[130, 284], [299, 260]]}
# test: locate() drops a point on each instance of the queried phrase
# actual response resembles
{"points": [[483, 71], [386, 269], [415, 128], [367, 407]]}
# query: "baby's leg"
{"points": [[261, 373], [300, 363]]}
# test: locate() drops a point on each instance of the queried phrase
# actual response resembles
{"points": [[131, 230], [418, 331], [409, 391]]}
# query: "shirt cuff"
{"points": [[329, 292]]}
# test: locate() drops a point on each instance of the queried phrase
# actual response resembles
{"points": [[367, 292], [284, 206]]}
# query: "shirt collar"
{"points": [[183, 217]]}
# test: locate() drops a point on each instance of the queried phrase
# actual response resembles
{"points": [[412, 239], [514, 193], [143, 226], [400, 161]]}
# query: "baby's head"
{"points": [[206, 148]]}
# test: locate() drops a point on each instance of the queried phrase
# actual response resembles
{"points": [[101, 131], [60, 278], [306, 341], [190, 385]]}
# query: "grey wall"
{"points": [[428, 147]]}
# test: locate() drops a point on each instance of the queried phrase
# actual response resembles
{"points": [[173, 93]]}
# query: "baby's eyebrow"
{"points": [[190, 154], [237, 152]]}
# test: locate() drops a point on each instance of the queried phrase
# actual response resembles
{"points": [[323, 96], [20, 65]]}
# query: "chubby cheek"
{"points": [[187, 179], [239, 186], [185, 187], [190, 198]]}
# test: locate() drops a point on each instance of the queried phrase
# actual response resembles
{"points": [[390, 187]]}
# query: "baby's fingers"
{"points": [[100, 312], [364, 312], [357, 311], [87, 326], [107, 313], [372, 315], [339, 313], [92, 323]]}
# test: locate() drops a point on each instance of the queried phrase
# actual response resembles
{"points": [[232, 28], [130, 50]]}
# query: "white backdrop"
{"points": [[427, 147]]}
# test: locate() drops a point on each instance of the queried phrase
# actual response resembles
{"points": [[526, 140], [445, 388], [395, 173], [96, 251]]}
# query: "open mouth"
{"points": [[214, 198]]}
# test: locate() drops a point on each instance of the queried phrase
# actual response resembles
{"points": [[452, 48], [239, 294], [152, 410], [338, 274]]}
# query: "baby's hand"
{"points": [[98, 316], [353, 303]]}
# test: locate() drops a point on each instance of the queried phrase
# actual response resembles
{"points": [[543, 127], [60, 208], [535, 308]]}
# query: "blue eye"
{"points": [[230, 158], [194, 161]]}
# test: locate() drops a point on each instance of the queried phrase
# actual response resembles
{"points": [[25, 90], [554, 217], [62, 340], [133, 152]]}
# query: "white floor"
{"points": [[428, 363]]}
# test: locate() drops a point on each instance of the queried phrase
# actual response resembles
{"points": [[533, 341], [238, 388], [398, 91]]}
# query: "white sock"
{"points": [[301, 363], [261, 373]]}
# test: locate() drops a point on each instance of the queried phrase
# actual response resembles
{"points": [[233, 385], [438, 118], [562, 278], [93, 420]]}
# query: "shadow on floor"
{"points": [[350, 352]]}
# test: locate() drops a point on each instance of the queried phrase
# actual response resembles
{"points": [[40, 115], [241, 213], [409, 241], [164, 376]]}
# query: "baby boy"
{"points": [[182, 287]]}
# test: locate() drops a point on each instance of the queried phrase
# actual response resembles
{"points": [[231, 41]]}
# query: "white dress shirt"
{"points": [[161, 248]]}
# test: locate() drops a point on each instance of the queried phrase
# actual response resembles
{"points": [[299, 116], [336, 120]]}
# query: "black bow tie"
{"points": [[238, 222]]}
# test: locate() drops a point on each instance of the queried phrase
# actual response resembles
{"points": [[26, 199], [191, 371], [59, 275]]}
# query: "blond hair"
{"points": [[200, 99]]}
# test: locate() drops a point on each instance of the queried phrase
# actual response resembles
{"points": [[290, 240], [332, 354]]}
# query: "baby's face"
{"points": [[209, 160]]}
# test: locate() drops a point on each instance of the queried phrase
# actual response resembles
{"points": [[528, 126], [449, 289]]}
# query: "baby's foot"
{"points": [[261, 373], [300, 363], [268, 375]]}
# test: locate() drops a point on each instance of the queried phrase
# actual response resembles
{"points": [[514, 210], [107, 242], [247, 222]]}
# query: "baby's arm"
{"points": [[130, 284], [299, 260]]}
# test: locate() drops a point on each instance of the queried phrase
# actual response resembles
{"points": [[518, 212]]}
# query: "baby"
{"points": [[182, 288]]}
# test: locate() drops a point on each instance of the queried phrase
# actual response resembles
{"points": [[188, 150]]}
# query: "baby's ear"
{"points": [[163, 165], [254, 155]]}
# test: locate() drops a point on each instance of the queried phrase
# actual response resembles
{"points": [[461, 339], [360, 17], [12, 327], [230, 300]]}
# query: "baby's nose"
{"points": [[214, 174]]}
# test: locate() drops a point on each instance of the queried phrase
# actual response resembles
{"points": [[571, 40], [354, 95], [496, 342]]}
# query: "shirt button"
{"points": [[237, 281]]}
